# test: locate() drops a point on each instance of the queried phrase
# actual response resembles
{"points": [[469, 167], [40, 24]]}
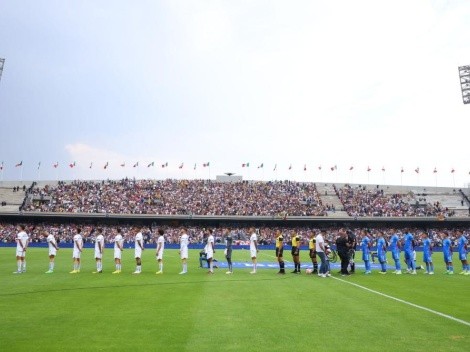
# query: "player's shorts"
{"points": [[52, 251], [184, 254], [76, 254], [279, 252], [98, 254], [138, 253], [396, 255], [209, 254], [294, 251], [381, 257], [20, 253], [117, 254], [159, 255], [462, 255], [447, 258], [408, 255], [313, 254], [253, 253], [365, 257], [427, 258]]}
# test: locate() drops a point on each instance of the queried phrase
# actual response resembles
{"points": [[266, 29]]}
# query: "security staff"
{"points": [[352, 241], [342, 247]]}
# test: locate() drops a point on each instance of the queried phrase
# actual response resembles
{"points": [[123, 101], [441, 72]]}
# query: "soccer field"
{"points": [[239, 312]]}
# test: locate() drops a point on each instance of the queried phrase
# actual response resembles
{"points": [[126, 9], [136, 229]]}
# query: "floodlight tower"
{"points": [[2, 62]]}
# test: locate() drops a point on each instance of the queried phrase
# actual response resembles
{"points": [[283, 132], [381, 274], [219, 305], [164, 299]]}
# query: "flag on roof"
{"points": [[181, 166], [56, 165], [19, 164], [206, 164], [72, 165], [106, 165], [151, 164]]}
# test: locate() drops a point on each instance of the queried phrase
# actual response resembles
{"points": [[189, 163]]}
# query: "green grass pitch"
{"points": [[241, 312]]}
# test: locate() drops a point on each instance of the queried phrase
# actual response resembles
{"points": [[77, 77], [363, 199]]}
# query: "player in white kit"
{"points": [[159, 252], [184, 242], [53, 248], [22, 241], [253, 249], [77, 251], [118, 246], [139, 248], [99, 248], [210, 250]]}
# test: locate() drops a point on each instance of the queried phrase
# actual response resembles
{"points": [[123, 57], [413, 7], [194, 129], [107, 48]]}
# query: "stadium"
{"points": [[234, 176]]}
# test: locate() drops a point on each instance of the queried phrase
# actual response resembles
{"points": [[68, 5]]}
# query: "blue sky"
{"points": [[363, 84]]}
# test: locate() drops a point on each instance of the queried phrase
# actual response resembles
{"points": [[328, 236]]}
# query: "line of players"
{"points": [[22, 241], [408, 244], [345, 243]]}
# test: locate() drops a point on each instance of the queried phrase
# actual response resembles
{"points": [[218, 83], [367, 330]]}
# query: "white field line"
{"points": [[406, 302]]}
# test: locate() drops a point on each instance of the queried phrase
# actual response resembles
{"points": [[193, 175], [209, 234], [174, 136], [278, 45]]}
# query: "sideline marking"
{"points": [[406, 302]]}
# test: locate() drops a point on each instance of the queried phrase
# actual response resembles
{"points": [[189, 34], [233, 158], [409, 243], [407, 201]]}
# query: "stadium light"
{"points": [[464, 73], [2, 62]]}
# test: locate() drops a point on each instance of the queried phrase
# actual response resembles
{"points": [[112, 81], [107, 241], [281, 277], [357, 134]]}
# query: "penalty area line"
{"points": [[450, 317]]}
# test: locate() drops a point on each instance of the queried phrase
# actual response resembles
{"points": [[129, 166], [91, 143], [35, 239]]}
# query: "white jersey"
{"points": [[138, 238], [99, 241], [184, 242], [253, 239], [161, 243], [52, 244], [118, 242], [77, 241], [209, 246], [22, 239], [319, 240], [77, 245]]}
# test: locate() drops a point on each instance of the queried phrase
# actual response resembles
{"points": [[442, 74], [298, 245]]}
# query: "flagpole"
{"points": [[453, 177], [21, 174]]}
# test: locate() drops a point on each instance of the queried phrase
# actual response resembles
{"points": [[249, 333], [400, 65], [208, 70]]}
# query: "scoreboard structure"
{"points": [[464, 74]]}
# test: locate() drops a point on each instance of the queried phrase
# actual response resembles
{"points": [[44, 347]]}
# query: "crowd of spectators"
{"points": [[360, 201], [266, 235], [179, 197]]}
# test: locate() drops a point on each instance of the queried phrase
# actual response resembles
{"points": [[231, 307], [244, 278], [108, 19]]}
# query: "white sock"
{"points": [[18, 264], [185, 267], [160, 265]]}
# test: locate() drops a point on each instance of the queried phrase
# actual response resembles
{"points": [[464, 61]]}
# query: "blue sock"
{"points": [[384, 266]]}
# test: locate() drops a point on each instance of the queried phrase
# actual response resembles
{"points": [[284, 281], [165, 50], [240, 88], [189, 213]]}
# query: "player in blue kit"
{"points": [[427, 253], [447, 251], [382, 253], [462, 248], [365, 247], [409, 248], [395, 249]]}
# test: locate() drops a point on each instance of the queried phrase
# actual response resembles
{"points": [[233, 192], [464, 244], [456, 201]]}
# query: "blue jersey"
{"points": [[394, 247], [409, 242], [381, 248], [462, 245], [447, 247], [365, 248], [427, 250]]}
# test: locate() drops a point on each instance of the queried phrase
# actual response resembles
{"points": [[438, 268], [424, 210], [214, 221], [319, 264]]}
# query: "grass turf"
{"points": [[239, 312]]}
